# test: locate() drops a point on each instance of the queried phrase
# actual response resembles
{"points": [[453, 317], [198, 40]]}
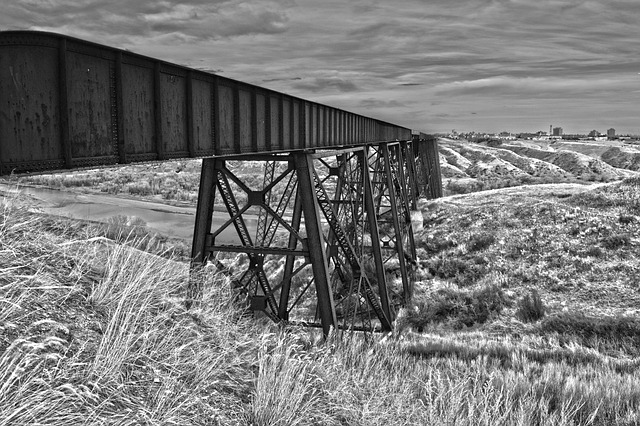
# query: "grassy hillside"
{"points": [[470, 167], [93, 329]]}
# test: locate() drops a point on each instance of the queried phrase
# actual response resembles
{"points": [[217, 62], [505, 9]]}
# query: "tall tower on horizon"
{"points": [[550, 129]]}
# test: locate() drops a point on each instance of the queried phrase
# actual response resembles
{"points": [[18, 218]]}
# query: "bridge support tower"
{"points": [[318, 237]]}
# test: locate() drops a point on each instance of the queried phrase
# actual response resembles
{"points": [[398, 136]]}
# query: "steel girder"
{"points": [[427, 163], [359, 295], [337, 222], [393, 215]]}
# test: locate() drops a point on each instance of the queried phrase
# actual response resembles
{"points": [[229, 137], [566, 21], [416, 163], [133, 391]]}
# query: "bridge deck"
{"points": [[67, 103]]}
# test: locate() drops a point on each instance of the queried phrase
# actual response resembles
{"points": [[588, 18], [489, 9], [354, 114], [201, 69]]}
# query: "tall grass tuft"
{"points": [[459, 308], [288, 390], [530, 307]]}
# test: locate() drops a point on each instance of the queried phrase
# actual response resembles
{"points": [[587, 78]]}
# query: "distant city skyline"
{"points": [[556, 132], [482, 65], [560, 131]]}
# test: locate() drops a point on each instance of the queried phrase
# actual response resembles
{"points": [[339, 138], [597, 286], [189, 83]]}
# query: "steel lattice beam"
{"points": [[321, 257]]}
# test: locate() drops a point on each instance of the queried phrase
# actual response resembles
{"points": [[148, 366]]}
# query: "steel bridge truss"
{"points": [[319, 238]]}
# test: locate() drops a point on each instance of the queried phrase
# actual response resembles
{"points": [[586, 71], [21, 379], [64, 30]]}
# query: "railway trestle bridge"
{"points": [[331, 192]]}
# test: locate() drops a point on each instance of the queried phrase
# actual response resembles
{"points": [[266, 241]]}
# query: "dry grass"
{"points": [[114, 345], [95, 332], [173, 180]]}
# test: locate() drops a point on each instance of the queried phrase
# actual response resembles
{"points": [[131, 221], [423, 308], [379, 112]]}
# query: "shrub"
{"points": [[626, 219], [594, 251], [616, 240], [447, 267], [142, 188], [480, 241], [633, 181], [438, 244], [574, 230], [464, 272], [456, 188], [593, 199], [530, 307], [132, 230], [461, 308]]}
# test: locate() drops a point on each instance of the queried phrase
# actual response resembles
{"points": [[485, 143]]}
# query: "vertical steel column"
{"points": [[204, 210], [326, 307], [426, 177], [339, 172], [372, 219], [285, 291], [202, 228], [406, 287], [421, 168], [406, 210], [436, 166], [412, 185], [428, 151], [263, 216]]}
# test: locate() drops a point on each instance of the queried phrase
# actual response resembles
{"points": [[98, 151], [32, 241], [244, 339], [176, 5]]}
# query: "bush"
{"points": [[139, 188], [626, 219], [616, 240], [594, 251], [480, 241], [132, 230], [447, 267], [438, 244], [461, 308], [530, 307], [464, 272], [457, 188]]}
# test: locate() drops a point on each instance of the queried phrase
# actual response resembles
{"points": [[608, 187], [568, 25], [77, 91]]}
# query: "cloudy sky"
{"points": [[434, 66]]}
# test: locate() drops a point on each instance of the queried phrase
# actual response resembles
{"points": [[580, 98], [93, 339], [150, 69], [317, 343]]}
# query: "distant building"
{"points": [[611, 133], [594, 134], [506, 135], [557, 131]]}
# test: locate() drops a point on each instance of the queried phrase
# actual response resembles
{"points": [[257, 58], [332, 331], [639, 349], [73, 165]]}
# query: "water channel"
{"points": [[168, 220]]}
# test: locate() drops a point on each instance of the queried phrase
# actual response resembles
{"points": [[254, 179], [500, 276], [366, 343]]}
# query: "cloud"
{"points": [[271, 80], [189, 20], [530, 86], [426, 65], [319, 84], [374, 103]]}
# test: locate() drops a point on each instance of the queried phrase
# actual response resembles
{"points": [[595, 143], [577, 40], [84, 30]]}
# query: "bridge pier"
{"points": [[319, 237]]}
